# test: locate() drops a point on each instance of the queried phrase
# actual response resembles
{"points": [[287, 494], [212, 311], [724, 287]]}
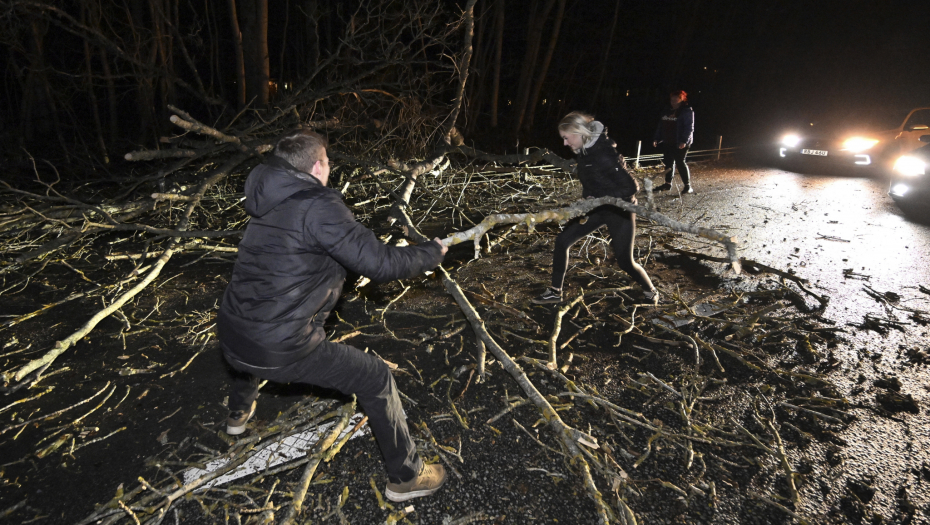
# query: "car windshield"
{"points": [[860, 119]]}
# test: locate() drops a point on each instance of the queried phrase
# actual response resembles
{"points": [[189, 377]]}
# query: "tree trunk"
{"points": [[144, 78], [610, 40], [254, 18], [39, 112], [91, 94], [313, 35], [214, 61], [533, 38], [161, 52], [477, 88], [498, 50], [463, 69], [113, 116], [544, 68], [240, 58], [287, 12]]}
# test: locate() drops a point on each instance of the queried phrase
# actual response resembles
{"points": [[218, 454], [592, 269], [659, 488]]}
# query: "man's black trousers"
{"points": [[350, 371]]}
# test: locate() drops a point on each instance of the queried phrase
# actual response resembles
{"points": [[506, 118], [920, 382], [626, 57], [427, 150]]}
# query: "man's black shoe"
{"points": [[664, 187], [687, 189]]}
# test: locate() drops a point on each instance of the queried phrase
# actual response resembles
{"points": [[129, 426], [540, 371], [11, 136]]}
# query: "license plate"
{"points": [[819, 152]]}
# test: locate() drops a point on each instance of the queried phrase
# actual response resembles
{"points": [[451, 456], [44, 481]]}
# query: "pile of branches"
{"points": [[713, 338]]}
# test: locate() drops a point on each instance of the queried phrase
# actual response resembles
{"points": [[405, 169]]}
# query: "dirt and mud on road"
{"points": [[749, 398]]}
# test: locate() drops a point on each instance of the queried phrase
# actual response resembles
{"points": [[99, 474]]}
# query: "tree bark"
{"points": [[240, 55], [254, 18], [39, 115], [477, 89], [113, 114], [463, 69], [610, 40], [91, 94], [498, 51], [287, 12], [533, 38], [544, 68]]}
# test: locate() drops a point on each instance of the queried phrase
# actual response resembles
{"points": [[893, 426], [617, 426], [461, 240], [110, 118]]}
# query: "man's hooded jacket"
{"points": [[292, 264]]}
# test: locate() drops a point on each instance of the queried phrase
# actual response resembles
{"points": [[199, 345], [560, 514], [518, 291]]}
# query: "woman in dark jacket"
{"points": [[602, 174], [675, 133]]}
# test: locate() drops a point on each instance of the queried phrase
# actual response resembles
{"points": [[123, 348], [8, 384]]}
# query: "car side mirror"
{"points": [[924, 138]]}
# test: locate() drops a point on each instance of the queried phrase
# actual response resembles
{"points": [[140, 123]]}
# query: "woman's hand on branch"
{"points": [[441, 245]]}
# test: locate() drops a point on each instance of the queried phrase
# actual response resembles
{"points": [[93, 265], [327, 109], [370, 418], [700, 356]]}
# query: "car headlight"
{"points": [[910, 166], [858, 144], [791, 140]]}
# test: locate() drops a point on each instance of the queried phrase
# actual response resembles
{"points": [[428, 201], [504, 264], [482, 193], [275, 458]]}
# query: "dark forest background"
{"points": [[91, 79]]}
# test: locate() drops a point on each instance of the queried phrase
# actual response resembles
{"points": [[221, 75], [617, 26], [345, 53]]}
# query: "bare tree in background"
{"points": [[533, 74], [253, 15]]}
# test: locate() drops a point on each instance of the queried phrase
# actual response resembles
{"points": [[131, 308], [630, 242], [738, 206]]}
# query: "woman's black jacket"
{"points": [[603, 173], [292, 264]]}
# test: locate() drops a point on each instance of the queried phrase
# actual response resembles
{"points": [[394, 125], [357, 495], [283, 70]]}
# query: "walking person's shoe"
{"points": [[428, 481], [687, 189], [550, 296], [665, 187], [651, 296], [235, 423]]}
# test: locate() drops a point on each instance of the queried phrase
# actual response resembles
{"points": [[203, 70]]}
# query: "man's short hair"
{"points": [[301, 149]]}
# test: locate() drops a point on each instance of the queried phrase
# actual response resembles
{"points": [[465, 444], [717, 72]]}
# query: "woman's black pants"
{"points": [[622, 228]]}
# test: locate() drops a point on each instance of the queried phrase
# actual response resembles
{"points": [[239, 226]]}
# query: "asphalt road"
{"points": [[842, 233]]}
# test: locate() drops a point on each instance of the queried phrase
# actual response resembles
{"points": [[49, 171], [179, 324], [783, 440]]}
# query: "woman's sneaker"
{"points": [[550, 296], [235, 423], [428, 481]]}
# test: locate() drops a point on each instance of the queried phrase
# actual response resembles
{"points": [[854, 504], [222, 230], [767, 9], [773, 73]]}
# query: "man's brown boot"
{"points": [[428, 481]]}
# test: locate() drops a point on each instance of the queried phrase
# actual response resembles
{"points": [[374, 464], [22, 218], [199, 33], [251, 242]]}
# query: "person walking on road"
{"points": [[288, 276], [602, 173], [676, 133]]}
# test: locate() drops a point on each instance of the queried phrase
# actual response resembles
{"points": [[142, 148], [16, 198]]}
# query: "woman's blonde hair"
{"points": [[578, 123]]}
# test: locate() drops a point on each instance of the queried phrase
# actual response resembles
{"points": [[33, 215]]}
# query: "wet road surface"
{"points": [[839, 232], [842, 233]]}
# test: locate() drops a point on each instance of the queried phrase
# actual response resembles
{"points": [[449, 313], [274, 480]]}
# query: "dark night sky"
{"points": [[752, 67]]}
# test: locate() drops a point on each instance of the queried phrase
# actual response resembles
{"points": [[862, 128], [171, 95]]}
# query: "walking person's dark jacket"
{"points": [[292, 264], [601, 170], [676, 126]]}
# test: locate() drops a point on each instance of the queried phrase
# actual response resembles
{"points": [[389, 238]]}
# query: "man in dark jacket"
{"points": [[288, 276], [676, 132]]}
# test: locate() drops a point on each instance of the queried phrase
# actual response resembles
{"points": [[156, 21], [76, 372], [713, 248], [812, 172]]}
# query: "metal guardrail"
{"points": [[640, 160]]}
